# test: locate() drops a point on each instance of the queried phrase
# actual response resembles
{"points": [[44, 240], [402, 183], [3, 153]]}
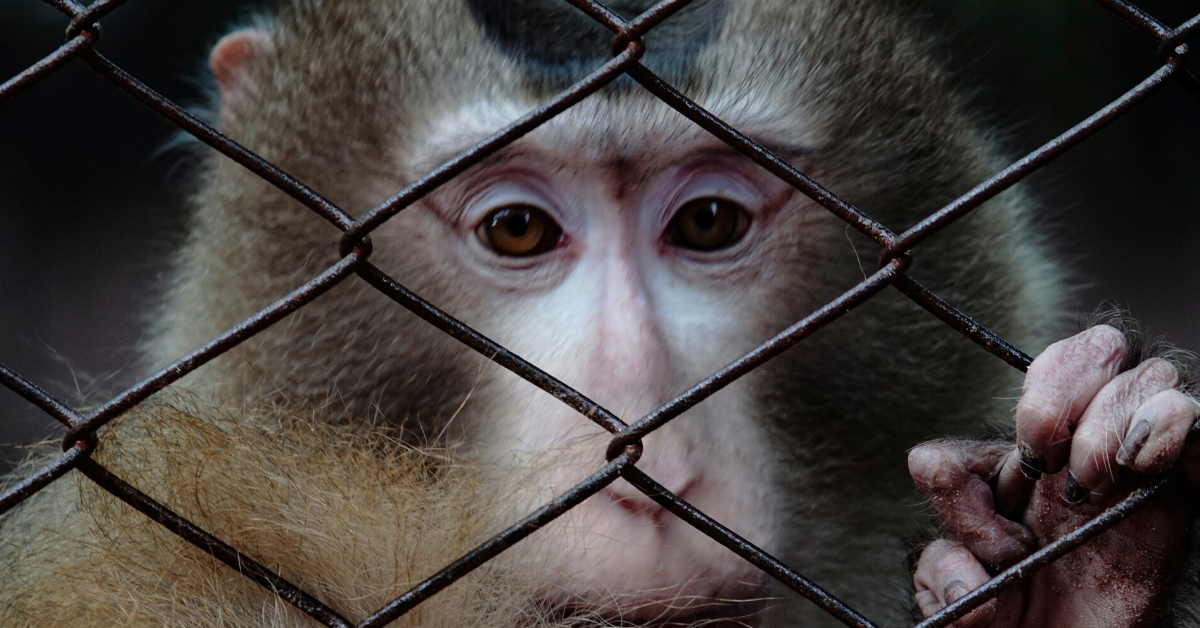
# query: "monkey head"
{"points": [[625, 251]]}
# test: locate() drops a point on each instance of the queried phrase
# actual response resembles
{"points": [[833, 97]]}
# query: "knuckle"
{"points": [[1037, 419], [1099, 347], [956, 558], [1104, 340], [936, 466], [1178, 404], [1157, 373], [1051, 361], [936, 551], [938, 547], [1089, 443]]}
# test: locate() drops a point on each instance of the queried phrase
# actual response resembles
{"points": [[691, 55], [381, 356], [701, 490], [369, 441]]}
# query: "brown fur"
{"points": [[354, 518]]}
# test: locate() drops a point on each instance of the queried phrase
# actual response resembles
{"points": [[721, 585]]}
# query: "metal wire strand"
{"points": [[49, 64], [215, 347], [57, 468], [191, 533]]}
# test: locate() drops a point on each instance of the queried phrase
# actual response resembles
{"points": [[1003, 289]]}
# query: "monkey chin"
{"points": [[656, 572], [623, 557]]}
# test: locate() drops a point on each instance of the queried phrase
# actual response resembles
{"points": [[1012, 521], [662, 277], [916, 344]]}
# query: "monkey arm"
{"points": [[1090, 421]]}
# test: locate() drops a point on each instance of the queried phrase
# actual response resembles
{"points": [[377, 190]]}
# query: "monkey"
{"points": [[630, 254]]}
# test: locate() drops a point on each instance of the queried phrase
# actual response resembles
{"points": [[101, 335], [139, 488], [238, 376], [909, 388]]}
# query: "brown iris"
{"points": [[708, 224], [519, 231]]}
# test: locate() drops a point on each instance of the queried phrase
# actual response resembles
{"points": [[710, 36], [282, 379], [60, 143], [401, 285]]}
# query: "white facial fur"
{"points": [[624, 315]]}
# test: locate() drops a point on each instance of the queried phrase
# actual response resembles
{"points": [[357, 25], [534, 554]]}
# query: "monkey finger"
{"points": [[1012, 487], [1096, 443], [956, 477], [946, 572], [1158, 432], [1059, 385]]}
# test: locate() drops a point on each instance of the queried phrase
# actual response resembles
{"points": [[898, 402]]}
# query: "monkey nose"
{"points": [[636, 503]]}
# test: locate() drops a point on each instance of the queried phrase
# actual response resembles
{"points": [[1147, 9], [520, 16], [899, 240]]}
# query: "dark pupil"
{"points": [[706, 216], [516, 223]]}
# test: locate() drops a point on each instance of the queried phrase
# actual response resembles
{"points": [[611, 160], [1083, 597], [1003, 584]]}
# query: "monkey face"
{"points": [[629, 260], [628, 253]]}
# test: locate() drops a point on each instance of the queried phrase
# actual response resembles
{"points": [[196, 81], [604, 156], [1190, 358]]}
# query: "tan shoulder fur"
{"points": [[351, 517]]}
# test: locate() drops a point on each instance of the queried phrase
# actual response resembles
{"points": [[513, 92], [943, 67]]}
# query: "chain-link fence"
{"points": [[625, 447]]}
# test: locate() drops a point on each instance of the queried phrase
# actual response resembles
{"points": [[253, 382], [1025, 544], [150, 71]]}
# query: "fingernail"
{"points": [[1133, 443], [954, 591], [1075, 492], [1032, 465]]}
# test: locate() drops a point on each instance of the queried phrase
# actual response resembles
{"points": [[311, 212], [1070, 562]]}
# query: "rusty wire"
{"points": [[625, 447]]}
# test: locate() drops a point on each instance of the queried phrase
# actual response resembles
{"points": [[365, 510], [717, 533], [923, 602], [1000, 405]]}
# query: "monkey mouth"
{"points": [[620, 559]]}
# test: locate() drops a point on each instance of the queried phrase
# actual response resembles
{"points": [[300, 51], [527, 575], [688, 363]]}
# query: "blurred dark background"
{"points": [[90, 201]]}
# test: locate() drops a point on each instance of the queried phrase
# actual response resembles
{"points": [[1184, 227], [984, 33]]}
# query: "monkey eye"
{"points": [[708, 224], [519, 231]]}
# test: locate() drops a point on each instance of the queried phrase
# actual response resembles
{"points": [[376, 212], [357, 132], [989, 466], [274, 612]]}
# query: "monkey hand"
{"points": [[1088, 432]]}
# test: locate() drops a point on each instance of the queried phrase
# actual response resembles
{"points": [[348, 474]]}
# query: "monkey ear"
{"points": [[231, 61]]}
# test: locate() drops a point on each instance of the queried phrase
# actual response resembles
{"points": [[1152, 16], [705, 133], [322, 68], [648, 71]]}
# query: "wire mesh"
{"points": [[625, 447]]}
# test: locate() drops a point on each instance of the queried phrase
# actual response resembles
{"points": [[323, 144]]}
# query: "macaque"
{"points": [[630, 254]]}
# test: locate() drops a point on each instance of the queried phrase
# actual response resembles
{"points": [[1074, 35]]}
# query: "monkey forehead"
{"points": [[632, 129]]}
